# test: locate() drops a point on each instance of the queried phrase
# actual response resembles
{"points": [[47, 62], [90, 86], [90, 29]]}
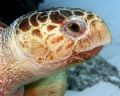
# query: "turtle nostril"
{"points": [[74, 27]]}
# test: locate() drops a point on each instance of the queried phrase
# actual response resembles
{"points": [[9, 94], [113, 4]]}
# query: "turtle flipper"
{"points": [[54, 85]]}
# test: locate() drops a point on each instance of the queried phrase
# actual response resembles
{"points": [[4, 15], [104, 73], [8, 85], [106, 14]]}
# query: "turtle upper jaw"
{"points": [[97, 35], [92, 44]]}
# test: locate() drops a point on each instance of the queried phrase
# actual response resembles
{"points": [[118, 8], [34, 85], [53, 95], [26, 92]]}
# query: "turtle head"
{"points": [[39, 43], [60, 35], [88, 32]]}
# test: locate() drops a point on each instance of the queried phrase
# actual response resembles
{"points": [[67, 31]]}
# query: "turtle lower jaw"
{"points": [[75, 58], [82, 56]]}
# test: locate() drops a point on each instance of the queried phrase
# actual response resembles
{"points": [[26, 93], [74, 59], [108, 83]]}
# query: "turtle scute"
{"points": [[24, 25], [56, 17], [33, 20], [66, 13], [78, 13], [42, 17]]}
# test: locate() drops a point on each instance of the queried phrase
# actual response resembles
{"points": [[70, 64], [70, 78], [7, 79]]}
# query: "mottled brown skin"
{"points": [[39, 44], [51, 27], [56, 18]]}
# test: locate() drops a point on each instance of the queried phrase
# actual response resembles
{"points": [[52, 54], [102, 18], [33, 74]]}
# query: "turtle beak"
{"points": [[100, 32], [98, 35], [88, 47]]}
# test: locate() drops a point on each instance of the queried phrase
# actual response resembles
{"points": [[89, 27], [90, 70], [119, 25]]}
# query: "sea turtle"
{"points": [[39, 46]]}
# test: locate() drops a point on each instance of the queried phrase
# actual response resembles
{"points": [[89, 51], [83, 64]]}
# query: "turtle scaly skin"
{"points": [[2, 26], [40, 44]]}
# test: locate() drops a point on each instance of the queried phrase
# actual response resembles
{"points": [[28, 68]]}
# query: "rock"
{"points": [[91, 72]]}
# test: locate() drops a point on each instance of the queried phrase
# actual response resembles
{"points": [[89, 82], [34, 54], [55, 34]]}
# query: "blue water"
{"points": [[109, 10]]}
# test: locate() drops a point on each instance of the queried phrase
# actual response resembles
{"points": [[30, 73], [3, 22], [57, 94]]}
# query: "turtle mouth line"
{"points": [[75, 58], [78, 57]]}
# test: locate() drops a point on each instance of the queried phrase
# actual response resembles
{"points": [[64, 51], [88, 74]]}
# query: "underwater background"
{"points": [[108, 10]]}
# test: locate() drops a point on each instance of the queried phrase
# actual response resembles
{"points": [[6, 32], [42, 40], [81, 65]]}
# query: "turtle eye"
{"points": [[74, 28]]}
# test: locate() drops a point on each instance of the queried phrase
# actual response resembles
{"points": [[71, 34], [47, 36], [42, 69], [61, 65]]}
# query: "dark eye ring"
{"points": [[74, 28]]}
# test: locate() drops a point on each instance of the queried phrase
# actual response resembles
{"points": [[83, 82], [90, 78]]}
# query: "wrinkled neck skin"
{"points": [[20, 69], [1, 66], [9, 71]]}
